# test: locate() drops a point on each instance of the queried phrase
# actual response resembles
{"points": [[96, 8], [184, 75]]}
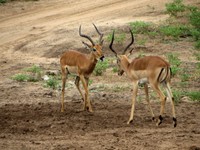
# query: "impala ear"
{"points": [[130, 52], [87, 46]]}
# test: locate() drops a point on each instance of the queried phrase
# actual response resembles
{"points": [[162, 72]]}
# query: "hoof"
{"points": [[160, 120], [153, 118], [175, 122], [130, 121], [89, 109]]}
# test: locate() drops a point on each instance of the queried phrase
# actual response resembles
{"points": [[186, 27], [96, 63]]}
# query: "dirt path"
{"points": [[37, 33]]}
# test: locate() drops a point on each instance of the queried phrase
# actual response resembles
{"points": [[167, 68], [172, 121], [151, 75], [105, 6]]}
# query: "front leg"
{"points": [[87, 104], [135, 89]]}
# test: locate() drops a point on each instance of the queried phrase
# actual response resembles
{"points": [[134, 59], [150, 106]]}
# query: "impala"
{"points": [[82, 65], [148, 69]]}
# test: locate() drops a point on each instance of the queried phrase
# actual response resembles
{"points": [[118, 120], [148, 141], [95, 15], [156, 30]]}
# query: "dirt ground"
{"points": [[38, 32]]}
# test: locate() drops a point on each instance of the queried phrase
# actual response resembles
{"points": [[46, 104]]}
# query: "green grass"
{"points": [[174, 31], [52, 83], [2, 1], [101, 67], [197, 44], [195, 18], [141, 27], [175, 62], [21, 77], [34, 69], [177, 95], [194, 95], [175, 8], [115, 69], [119, 38]]}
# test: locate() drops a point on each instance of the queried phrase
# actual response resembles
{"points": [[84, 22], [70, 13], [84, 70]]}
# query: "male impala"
{"points": [[149, 69], [82, 65]]}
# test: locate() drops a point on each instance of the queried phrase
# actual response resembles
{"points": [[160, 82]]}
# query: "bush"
{"points": [[197, 44], [140, 27], [2, 1], [175, 31], [177, 96], [52, 82], [119, 38], [195, 34], [175, 63], [100, 67], [195, 18], [33, 69], [21, 77], [175, 7], [194, 95]]}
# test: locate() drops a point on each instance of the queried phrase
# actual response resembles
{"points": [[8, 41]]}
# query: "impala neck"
{"points": [[125, 63], [92, 57]]}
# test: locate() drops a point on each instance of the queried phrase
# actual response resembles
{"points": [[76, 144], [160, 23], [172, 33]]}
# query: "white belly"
{"points": [[143, 81]]}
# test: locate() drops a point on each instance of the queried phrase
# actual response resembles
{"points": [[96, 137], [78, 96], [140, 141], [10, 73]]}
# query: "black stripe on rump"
{"points": [[160, 74]]}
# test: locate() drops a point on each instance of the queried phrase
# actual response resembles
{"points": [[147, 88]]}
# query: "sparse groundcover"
{"points": [[2, 1], [175, 8], [21, 77], [52, 82], [119, 38], [101, 67], [175, 63], [194, 95]]}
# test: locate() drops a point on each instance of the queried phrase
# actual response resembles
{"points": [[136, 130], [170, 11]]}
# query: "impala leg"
{"points": [[64, 77], [87, 104], [77, 83], [162, 99], [147, 99], [135, 89], [170, 95]]}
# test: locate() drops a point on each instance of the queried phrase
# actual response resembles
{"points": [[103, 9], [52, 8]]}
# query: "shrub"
{"points": [[175, 31], [175, 63], [140, 27], [195, 34], [101, 67], [194, 95], [197, 44], [52, 82], [195, 18], [119, 38], [177, 96], [2, 1], [175, 7], [21, 77], [33, 69], [115, 69]]}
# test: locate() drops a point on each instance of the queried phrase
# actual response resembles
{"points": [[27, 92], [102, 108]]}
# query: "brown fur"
{"points": [[148, 62], [153, 68]]}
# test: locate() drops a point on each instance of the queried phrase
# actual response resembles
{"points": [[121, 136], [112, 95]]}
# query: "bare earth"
{"points": [[30, 118]]}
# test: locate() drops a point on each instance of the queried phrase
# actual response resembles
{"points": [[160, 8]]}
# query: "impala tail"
{"points": [[164, 75]]}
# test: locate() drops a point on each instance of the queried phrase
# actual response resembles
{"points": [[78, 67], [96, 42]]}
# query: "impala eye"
{"points": [[94, 49]]}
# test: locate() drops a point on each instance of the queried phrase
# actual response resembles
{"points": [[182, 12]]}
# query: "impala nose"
{"points": [[101, 58]]}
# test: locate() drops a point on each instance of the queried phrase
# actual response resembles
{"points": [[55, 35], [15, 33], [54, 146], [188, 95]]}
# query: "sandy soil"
{"points": [[30, 118]]}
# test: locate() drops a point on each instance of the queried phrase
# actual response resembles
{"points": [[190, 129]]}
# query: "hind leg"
{"points": [[156, 88], [170, 95], [64, 78], [147, 99]]}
